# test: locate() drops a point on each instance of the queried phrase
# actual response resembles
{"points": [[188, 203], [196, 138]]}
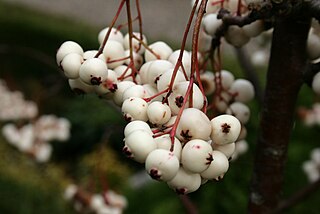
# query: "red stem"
{"points": [[109, 30]]}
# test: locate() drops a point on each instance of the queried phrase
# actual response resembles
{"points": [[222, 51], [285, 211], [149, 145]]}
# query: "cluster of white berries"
{"points": [[13, 105], [199, 152], [168, 129], [109, 202], [235, 35], [34, 137], [31, 138], [312, 166]]}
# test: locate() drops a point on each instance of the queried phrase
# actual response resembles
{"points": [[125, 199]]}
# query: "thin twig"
{"points": [[299, 196]]}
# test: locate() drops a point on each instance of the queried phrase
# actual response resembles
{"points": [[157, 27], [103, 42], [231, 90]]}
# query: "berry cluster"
{"points": [[109, 202], [13, 105], [183, 123], [235, 35], [32, 137], [312, 166]]}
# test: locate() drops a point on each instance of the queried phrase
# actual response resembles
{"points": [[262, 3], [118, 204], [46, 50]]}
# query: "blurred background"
{"points": [[31, 32]]}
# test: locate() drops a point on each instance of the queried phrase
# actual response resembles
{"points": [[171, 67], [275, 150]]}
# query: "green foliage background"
{"points": [[28, 41]]}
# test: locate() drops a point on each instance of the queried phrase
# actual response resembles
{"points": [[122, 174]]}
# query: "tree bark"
{"points": [[284, 79]]}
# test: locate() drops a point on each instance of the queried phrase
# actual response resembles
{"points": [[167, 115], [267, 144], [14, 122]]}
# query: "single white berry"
{"points": [[193, 124], [134, 91], [114, 35], [162, 164], [92, 54], [221, 101], [316, 83], [43, 152], [135, 108], [138, 145], [211, 23], [315, 156], [208, 83], [118, 94], [185, 182], [143, 72], [313, 46], [225, 129], [158, 113], [242, 90], [70, 65], [70, 191], [177, 97], [240, 111], [93, 71], [114, 54], [225, 78], [97, 202], [156, 69], [67, 48], [196, 155], [137, 125], [217, 168], [161, 49]]}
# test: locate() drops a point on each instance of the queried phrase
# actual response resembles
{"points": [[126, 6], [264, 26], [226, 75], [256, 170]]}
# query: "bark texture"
{"points": [[284, 79]]}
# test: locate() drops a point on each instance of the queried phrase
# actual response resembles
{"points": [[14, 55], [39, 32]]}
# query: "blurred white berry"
{"points": [[240, 111], [243, 90]]}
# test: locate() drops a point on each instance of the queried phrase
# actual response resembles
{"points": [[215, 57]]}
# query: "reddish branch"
{"points": [[284, 79]]}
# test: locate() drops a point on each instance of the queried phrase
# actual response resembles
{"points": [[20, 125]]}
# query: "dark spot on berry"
{"points": [[154, 173], [157, 79], [179, 101], [185, 135], [127, 118], [113, 88], [209, 159], [127, 152], [95, 80], [225, 128]]}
